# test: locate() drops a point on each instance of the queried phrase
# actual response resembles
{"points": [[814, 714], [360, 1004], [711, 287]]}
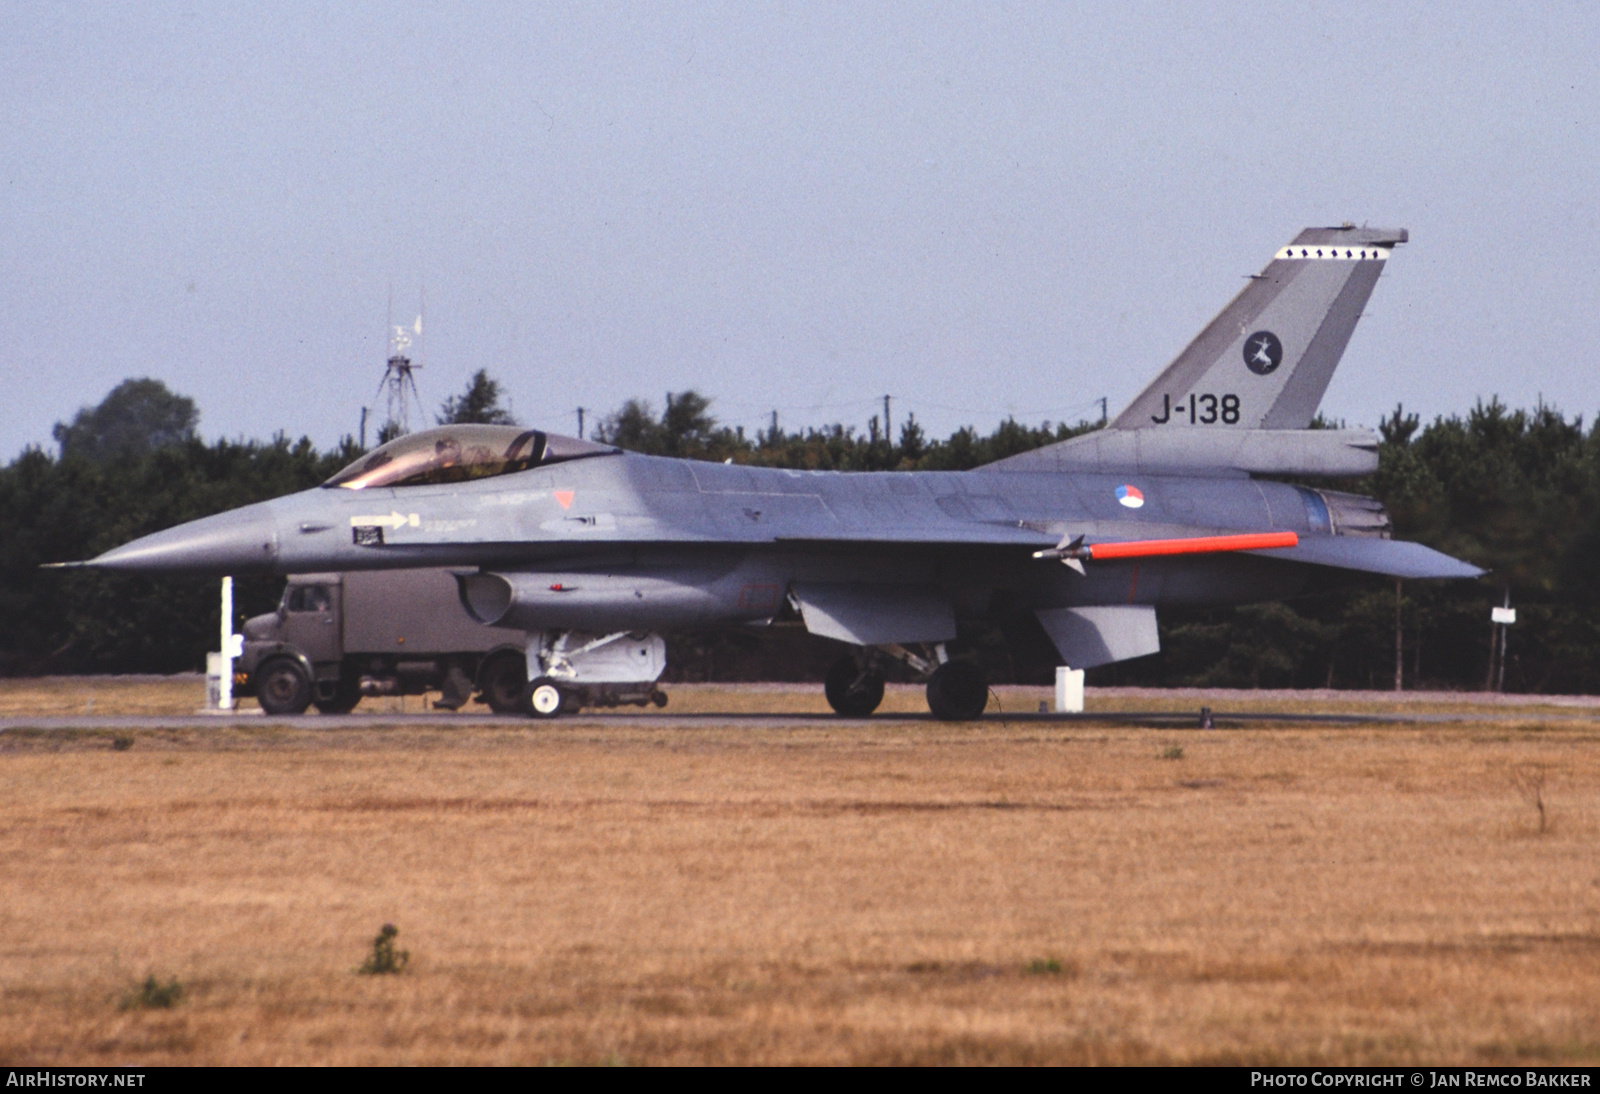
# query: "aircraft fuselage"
{"points": [[736, 537]]}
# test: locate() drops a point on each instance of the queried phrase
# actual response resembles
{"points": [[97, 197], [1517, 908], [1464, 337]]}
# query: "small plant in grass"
{"points": [[122, 742], [1529, 781], [153, 995], [1043, 966], [1173, 752], [385, 958]]}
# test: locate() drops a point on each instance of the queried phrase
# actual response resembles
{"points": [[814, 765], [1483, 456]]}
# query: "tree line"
{"points": [[1514, 491]]}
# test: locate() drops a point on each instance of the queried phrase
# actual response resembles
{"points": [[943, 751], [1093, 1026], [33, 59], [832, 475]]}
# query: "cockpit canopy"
{"points": [[457, 453]]}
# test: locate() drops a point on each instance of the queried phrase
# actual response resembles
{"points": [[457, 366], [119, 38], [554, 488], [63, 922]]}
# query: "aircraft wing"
{"points": [[1390, 557]]}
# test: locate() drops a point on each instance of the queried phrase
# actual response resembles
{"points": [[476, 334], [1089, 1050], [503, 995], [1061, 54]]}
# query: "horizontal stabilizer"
{"points": [[1332, 453], [874, 615], [1086, 637], [1393, 557]]}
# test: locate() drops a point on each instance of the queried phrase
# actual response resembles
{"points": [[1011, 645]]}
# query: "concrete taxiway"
{"points": [[1167, 719]]}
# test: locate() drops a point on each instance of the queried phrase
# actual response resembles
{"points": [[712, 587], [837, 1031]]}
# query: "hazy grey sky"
{"points": [[981, 209]]}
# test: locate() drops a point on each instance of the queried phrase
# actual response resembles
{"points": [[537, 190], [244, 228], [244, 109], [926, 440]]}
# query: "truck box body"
{"points": [[412, 613]]}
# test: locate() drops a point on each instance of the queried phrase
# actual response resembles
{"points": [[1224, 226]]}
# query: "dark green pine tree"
{"points": [[479, 404]]}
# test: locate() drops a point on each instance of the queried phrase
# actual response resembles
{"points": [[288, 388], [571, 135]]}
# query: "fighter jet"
{"points": [[594, 552]]}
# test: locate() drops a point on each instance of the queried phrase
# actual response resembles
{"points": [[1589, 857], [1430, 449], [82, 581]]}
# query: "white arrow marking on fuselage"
{"points": [[393, 520]]}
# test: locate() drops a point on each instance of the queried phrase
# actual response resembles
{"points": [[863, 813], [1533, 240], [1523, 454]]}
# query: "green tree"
{"points": [[137, 416], [633, 426], [479, 403], [1517, 491], [64, 509], [686, 428]]}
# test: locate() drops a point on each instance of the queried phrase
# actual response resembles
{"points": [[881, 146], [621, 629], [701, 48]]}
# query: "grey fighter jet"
{"points": [[593, 552]]}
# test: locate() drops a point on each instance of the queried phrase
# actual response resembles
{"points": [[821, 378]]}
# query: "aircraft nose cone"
{"points": [[242, 541]]}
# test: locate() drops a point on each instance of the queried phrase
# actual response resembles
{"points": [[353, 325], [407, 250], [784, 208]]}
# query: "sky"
{"points": [[980, 210]]}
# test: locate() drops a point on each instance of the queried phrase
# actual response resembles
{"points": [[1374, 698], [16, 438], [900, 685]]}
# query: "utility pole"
{"points": [[580, 423], [888, 434], [1399, 636], [1500, 620], [1507, 617], [1494, 651], [1104, 415]]}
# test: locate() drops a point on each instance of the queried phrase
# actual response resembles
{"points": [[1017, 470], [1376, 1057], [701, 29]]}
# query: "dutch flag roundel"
{"points": [[1130, 495]]}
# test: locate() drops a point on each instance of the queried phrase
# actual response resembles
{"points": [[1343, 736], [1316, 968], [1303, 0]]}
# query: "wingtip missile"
{"points": [[1070, 551]]}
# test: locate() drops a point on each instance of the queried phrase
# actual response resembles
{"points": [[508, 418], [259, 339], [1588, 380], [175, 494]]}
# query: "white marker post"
{"points": [[1069, 690], [230, 648]]}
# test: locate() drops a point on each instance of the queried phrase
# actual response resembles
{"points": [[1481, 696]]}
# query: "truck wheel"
{"points": [[345, 697], [545, 700], [504, 681], [283, 687]]}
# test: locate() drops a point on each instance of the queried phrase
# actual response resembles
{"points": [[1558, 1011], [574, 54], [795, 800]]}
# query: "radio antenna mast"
{"points": [[398, 388]]}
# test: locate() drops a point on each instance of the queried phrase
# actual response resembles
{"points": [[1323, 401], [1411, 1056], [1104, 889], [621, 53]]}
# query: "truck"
{"points": [[336, 638]]}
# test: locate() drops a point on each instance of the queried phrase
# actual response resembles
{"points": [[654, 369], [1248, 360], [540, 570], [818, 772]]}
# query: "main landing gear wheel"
{"points": [[957, 691], [504, 682], [283, 686], [853, 691], [545, 699]]}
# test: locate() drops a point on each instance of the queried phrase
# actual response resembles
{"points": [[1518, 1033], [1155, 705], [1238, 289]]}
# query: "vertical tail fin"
{"points": [[1266, 360]]}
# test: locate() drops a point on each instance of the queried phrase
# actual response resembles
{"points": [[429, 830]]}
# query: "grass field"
{"points": [[905, 892]]}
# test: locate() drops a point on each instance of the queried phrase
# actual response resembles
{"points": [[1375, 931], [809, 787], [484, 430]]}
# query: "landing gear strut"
{"points": [[854, 687], [957, 691]]}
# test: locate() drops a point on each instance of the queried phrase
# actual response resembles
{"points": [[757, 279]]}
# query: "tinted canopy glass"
{"points": [[457, 453]]}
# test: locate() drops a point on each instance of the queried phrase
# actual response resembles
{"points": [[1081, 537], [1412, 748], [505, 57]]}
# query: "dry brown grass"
{"points": [[590, 893], [55, 696]]}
